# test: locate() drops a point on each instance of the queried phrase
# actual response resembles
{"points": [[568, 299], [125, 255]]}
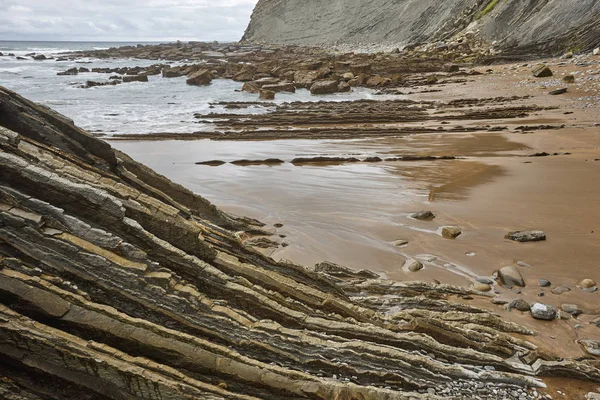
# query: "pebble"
{"points": [[544, 282]]}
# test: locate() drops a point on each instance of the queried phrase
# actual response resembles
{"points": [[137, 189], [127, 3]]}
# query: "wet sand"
{"points": [[352, 213]]}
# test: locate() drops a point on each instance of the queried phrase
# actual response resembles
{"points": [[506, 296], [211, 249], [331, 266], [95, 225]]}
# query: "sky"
{"points": [[124, 20]]}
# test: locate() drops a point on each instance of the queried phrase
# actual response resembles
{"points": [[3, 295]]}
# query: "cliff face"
{"points": [[540, 26]]}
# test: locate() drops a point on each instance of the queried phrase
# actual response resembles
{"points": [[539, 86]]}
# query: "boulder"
{"points": [[245, 75], [250, 87], [70, 71], [344, 87], [543, 311], [451, 68], [324, 87], [357, 69], [541, 71], [510, 276], [202, 77], [281, 87], [423, 215], [266, 95], [378, 81], [526, 236], [39, 57], [305, 79], [412, 265], [172, 73], [572, 309], [451, 232], [135, 78]]}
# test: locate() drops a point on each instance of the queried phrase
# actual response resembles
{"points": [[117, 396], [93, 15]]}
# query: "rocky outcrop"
{"points": [[116, 283], [518, 26]]}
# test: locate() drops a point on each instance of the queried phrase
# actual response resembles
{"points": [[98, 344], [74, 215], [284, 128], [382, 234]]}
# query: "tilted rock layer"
{"points": [[522, 26], [116, 283]]}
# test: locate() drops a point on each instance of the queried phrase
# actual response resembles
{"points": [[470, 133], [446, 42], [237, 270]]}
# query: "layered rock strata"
{"points": [[116, 283]]}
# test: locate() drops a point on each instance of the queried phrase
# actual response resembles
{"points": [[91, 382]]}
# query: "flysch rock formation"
{"points": [[116, 283], [518, 26]]}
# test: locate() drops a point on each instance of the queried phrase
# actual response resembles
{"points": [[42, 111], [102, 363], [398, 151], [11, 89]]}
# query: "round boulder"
{"points": [[544, 312]]}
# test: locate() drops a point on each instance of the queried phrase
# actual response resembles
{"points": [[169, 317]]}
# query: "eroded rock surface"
{"points": [[116, 283]]}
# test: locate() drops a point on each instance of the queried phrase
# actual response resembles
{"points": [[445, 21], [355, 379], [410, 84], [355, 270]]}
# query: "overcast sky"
{"points": [[124, 20]]}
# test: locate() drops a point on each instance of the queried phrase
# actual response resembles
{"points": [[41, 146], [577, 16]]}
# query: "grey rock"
{"points": [[591, 346], [423, 215], [544, 282], [543, 311], [572, 309], [412, 265], [560, 290], [519, 304], [526, 236], [558, 91], [510, 276]]}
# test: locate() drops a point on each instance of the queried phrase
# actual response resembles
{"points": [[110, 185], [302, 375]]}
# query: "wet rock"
{"points": [[172, 72], [266, 95], [568, 79], [213, 163], [518, 304], [135, 78], [451, 232], [572, 309], [560, 290], [200, 78], [341, 271], [423, 215], [510, 276], [587, 283], [541, 71], [558, 91], [412, 265], [481, 287], [400, 242], [526, 236], [543, 311], [39, 57], [288, 87], [251, 87], [591, 346], [544, 282], [324, 87], [70, 71]]}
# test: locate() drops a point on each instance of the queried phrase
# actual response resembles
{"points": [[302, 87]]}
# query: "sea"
{"points": [[163, 105]]}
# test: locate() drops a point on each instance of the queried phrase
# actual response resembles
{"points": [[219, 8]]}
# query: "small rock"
{"points": [[543, 311], [523, 264], [558, 91], [400, 242], [569, 79], [266, 95], [591, 346], [526, 236], [481, 287], [412, 265], [485, 279], [560, 290], [541, 71], [519, 304], [451, 232], [510, 276], [596, 51], [587, 283], [423, 215], [572, 309], [567, 55], [544, 282]]}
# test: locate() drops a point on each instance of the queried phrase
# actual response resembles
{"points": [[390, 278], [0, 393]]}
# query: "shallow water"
{"points": [[160, 105]]}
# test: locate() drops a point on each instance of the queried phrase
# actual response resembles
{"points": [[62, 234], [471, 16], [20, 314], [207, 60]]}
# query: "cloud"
{"points": [[117, 20]]}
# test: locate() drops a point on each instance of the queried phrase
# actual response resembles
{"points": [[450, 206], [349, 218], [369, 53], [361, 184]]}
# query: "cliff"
{"points": [[519, 26]]}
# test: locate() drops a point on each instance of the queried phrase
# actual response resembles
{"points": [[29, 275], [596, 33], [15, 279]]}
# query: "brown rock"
{"points": [[541, 71], [451, 232], [510, 276], [202, 77], [266, 95], [324, 87]]}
